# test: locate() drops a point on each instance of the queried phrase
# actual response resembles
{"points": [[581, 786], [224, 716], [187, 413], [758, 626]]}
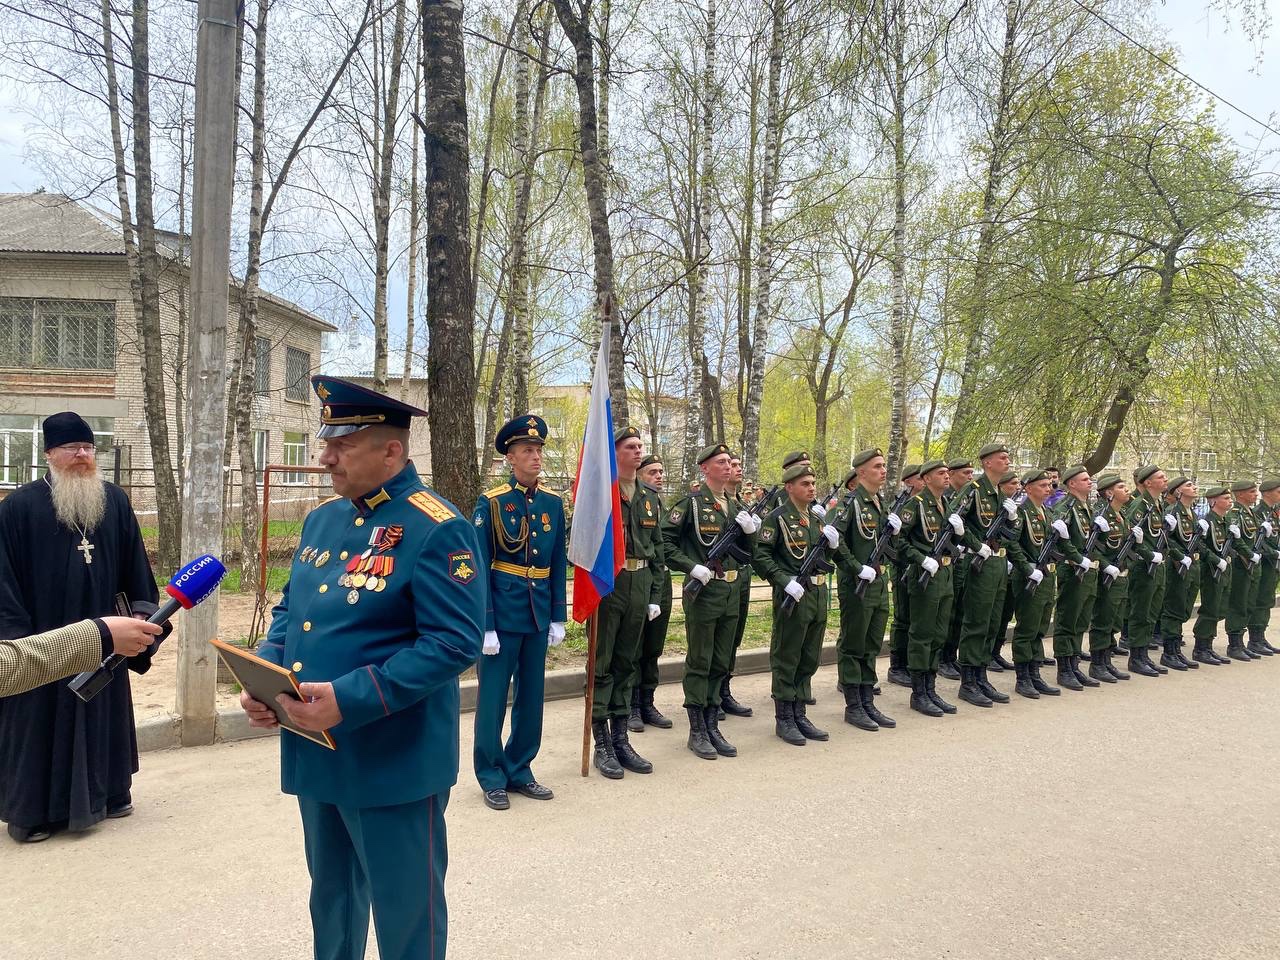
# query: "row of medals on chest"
{"points": [[369, 570]]}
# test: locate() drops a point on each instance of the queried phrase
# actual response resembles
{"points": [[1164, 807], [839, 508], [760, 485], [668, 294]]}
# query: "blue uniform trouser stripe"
{"points": [[521, 658], [392, 859]]}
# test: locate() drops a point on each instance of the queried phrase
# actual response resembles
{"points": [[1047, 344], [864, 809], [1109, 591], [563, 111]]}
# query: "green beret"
{"points": [[794, 457], [797, 471], [910, 470], [1107, 481], [1008, 477], [1269, 484], [848, 477], [1145, 473], [1242, 486], [991, 448], [625, 433], [1073, 472], [960, 463], [1177, 482], [1034, 474], [706, 453], [1214, 492], [929, 466], [863, 456], [650, 460]]}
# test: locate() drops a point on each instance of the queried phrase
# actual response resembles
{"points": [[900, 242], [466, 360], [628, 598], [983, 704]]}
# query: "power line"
{"points": [[1182, 73]]}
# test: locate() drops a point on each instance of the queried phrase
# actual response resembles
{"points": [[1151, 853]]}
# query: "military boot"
{"points": [[1177, 652], [1081, 677], [948, 666], [1098, 667], [1262, 638], [1024, 687], [855, 711], [729, 704], [998, 662], [921, 702], [898, 669], [994, 695], [1138, 662], [805, 725], [698, 742], [1256, 645], [603, 756], [1202, 652], [931, 687], [1169, 656], [1067, 676], [869, 705], [718, 741], [784, 724], [622, 749], [1039, 683], [1235, 648], [970, 691], [635, 723], [1221, 660], [1116, 671], [650, 714], [1044, 661]]}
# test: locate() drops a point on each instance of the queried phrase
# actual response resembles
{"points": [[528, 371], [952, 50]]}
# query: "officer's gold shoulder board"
{"points": [[498, 491], [437, 510], [329, 500]]}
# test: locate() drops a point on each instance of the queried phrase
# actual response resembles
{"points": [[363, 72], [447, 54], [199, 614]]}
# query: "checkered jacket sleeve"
{"points": [[30, 662]]}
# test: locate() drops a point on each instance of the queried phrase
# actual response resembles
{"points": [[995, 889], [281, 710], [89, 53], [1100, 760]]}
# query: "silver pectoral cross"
{"points": [[87, 549]]}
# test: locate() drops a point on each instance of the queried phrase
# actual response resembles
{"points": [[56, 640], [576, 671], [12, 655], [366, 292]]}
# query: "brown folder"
{"points": [[264, 681]]}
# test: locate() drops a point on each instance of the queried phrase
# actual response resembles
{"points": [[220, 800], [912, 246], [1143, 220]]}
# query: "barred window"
{"points": [[262, 365], [297, 370], [57, 334]]}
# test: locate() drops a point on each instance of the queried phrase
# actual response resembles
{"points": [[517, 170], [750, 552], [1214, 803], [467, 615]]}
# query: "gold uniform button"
{"points": [[297, 666], [342, 555], [306, 626], [359, 521], [324, 588]]}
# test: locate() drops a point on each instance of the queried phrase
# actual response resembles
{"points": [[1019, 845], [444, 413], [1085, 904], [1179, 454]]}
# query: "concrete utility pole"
{"points": [[207, 352]]}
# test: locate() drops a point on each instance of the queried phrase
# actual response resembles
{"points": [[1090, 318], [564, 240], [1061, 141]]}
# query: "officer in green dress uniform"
{"points": [[959, 475], [1147, 575], [1246, 575], [1032, 603], [635, 601], [982, 599], [1077, 577], [643, 712], [862, 618], [521, 529], [1010, 489], [383, 610], [1110, 599], [729, 705], [900, 627], [1268, 516], [789, 533], [1182, 582], [711, 617], [923, 518], [1215, 576]]}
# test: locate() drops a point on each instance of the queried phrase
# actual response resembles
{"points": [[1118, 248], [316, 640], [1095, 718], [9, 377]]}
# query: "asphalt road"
{"points": [[1132, 821]]}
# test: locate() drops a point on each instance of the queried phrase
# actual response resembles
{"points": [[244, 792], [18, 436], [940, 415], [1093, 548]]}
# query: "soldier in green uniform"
{"points": [[1009, 488], [1077, 578], [1215, 577], [1246, 572], [729, 705], [643, 712], [634, 601], [982, 600], [1110, 599], [923, 518], [901, 624], [711, 617], [959, 474], [862, 618], [1147, 575], [1182, 582], [1268, 516], [1031, 602]]}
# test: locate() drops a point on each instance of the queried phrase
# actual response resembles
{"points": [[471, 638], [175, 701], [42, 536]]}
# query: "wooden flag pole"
{"points": [[589, 698]]}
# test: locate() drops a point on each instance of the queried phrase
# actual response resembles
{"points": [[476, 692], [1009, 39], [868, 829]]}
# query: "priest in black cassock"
{"points": [[69, 542]]}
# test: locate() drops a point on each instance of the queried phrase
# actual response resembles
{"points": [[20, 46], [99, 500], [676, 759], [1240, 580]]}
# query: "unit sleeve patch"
{"points": [[462, 566]]}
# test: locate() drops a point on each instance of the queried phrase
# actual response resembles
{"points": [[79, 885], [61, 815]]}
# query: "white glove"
{"points": [[1101, 524], [957, 525], [984, 551], [794, 590], [655, 611], [894, 521], [1255, 558], [832, 535], [1061, 528], [819, 509], [700, 573], [1204, 525], [1185, 563], [1157, 558], [867, 573], [1086, 564], [747, 522], [1010, 509], [1222, 564], [930, 565], [1235, 530], [491, 645], [1008, 566], [1036, 575], [1137, 534], [1111, 571], [1171, 521], [555, 635], [1266, 527]]}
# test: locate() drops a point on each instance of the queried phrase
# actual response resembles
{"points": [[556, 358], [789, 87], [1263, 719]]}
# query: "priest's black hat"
{"points": [[66, 427]]}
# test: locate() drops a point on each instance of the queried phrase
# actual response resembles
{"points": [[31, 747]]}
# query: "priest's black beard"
{"points": [[79, 500]]}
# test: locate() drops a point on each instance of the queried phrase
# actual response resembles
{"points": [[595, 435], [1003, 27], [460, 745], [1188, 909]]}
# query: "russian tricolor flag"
{"points": [[596, 547]]}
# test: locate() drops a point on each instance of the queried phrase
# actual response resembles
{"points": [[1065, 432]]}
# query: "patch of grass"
{"points": [[276, 579]]}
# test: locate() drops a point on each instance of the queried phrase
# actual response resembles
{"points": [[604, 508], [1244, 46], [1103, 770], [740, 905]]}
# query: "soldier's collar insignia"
{"points": [[378, 498]]}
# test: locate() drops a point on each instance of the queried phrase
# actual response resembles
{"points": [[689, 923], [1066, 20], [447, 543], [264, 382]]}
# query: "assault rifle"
{"points": [[999, 527], [1160, 546], [882, 541], [1091, 541], [1126, 548], [946, 535], [1048, 553], [815, 561], [1193, 544], [727, 542]]}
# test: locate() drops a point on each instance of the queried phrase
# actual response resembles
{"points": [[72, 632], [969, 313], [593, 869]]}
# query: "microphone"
{"points": [[193, 584]]}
